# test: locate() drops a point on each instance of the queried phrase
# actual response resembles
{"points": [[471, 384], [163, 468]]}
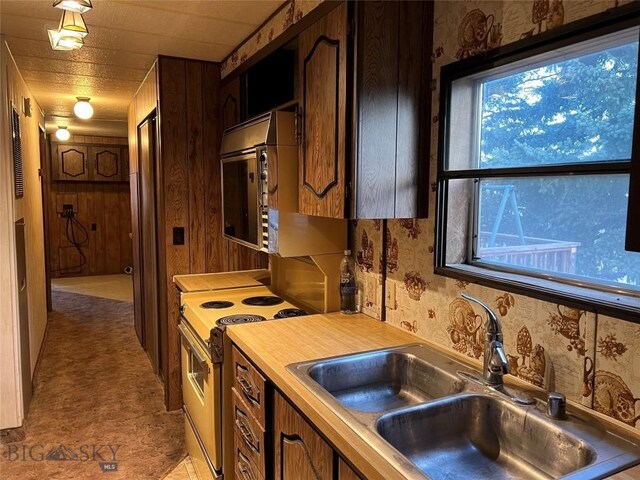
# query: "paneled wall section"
{"points": [[104, 211]]}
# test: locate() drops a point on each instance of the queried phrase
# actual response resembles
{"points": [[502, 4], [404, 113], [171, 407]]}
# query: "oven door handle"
{"points": [[188, 338]]}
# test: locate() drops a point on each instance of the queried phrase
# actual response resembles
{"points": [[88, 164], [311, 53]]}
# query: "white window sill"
{"points": [[618, 305]]}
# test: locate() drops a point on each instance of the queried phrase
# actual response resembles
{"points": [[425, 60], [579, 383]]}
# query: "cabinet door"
{"points": [[322, 54], [71, 163], [106, 163], [230, 103], [345, 472], [300, 453]]}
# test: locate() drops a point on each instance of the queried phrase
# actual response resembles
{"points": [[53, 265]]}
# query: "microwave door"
{"points": [[240, 179]]}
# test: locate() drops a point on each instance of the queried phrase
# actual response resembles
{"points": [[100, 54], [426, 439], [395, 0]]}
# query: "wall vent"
{"points": [[17, 153]]}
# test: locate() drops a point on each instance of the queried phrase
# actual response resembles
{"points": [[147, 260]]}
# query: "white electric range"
{"points": [[204, 318]]}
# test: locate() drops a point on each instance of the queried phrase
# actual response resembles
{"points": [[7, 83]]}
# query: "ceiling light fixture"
{"points": [[62, 133], [72, 24], [83, 108], [78, 6], [64, 42]]}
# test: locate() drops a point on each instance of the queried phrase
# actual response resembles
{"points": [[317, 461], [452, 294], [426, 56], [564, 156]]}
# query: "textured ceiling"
{"points": [[124, 39]]}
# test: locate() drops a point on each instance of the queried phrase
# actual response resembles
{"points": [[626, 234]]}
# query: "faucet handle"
{"points": [[498, 363], [556, 405]]}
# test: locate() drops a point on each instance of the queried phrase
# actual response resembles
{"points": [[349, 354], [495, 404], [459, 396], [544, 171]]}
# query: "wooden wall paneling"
{"points": [[377, 87], [322, 55], [132, 141], [111, 226], [173, 132], [195, 167], [215, 251], [146, 99]]}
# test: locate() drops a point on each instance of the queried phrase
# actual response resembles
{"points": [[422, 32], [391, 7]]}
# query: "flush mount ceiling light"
{"points": [[62, 133], [83, 108], [64, 42], [78, 6], [72, 24]]}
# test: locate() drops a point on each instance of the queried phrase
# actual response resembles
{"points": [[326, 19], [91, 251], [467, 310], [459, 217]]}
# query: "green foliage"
{"points": [[577, 110]]}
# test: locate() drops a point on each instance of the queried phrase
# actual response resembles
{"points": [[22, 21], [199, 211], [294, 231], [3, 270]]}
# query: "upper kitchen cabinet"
{"points": [[364, 87], [90, 160], [70, 162], [322, 60], [230, 103]]}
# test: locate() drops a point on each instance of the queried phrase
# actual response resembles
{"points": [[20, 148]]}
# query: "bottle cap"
{"points": [[347, 252]]}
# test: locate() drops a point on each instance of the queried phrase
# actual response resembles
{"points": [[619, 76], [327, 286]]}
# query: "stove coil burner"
{"points": [[290, 312], [263, 301], [217, 304], [237, 319]]}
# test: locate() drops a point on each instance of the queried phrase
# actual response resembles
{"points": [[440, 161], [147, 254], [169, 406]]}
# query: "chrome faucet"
{"points": [[495, 363]]}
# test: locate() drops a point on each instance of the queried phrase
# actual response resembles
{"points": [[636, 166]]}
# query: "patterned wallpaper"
{"points": [[593, 360], [291, 13]]}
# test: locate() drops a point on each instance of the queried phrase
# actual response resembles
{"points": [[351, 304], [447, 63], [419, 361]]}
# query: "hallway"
{"points": [[97, 405]]}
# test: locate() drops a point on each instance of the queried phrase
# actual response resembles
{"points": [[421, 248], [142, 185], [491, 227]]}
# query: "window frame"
{"points": [[607, 300]]}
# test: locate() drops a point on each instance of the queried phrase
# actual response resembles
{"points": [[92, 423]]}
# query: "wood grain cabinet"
{"points": [[300, 453], [364, 82], [90, 163], [345, 472], [106, 163], [71, 162]]}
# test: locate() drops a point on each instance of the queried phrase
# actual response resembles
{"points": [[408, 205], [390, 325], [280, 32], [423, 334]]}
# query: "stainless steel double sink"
{"points": [[432, 417]]}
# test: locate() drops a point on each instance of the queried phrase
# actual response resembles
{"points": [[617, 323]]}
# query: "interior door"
{"points": [[148, 239], [23, 314]]}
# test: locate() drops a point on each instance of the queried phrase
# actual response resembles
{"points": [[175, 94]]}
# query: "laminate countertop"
{"points": [[219, 281], [274, 345]]}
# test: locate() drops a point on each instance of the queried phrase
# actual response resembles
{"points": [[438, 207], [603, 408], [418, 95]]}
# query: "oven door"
{"points": [[244, 197], [201, 392]]}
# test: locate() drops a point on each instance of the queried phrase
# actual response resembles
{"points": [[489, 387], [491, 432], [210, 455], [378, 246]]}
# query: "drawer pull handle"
{"points": [[247, 435], [250, 391], [244, 468]]}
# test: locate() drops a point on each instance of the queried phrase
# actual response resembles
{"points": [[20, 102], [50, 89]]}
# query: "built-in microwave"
{"points": [[260, 191], [244, 191]]}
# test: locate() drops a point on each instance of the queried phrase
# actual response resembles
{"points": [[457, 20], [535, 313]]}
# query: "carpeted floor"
{"points": [[97, 404]]}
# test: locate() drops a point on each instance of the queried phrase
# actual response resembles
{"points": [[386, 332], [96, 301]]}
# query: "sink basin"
{"points": [[432, 417], [384, 380], [480, 436]]}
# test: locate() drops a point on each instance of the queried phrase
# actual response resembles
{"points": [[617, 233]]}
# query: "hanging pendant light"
{"points": [[78, 6], [64, 42], [83, 108], [62, 133], [72, 24]]}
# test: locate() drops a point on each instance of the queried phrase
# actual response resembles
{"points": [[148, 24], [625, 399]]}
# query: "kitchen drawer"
{"points": [[250, 385], [245, 467], [249, 432]]}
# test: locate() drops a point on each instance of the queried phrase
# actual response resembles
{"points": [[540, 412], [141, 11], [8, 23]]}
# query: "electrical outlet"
{"points": [[390, 300]]}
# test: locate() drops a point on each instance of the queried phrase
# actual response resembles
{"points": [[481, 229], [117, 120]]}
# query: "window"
{"points": [[536, 150]]}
